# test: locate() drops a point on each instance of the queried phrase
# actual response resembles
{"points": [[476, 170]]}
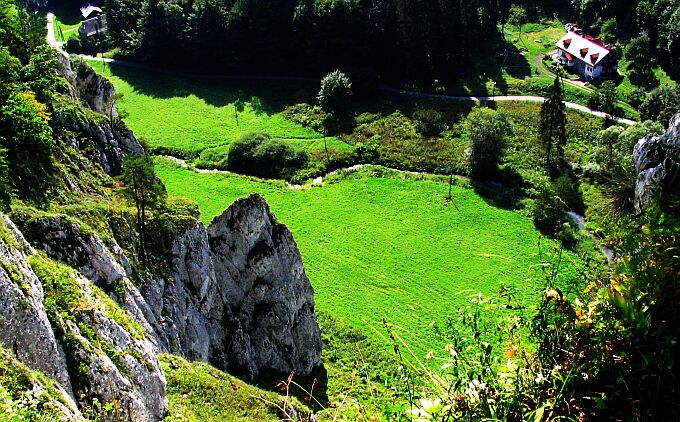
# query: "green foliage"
{"points": [[518, 16], [604, 98], [26, 395], [609, 31], [661, 104], [487, 131], [335, 93], [553, 124], [304, 37], [63, 293], [145, 191], [641, 62], [25, 129], [40, 73], [258, 154], [306, 115], [429, 122], [548, 210]]}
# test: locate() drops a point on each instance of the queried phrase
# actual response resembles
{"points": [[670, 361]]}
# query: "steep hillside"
{"points": [[91, 294]]}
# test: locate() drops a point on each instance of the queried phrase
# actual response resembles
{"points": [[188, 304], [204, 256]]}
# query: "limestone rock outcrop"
{"points": [[657, 164], [24, 326], [237, 296], [234, 294], [104, 140], [76, 335]]}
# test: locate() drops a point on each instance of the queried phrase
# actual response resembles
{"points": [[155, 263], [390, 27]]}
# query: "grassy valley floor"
{"points": [[376, 246]]}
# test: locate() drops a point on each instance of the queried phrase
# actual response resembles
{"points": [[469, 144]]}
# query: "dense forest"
{"points": [[407, 41]]}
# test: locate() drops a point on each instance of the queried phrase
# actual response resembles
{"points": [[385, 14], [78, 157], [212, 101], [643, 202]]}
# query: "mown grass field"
{"points": [[388, 247], [187, 115]]}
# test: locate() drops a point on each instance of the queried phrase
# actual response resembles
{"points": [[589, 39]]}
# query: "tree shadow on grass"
{"points": [[505, 193], [217, 91], [500, 55]]}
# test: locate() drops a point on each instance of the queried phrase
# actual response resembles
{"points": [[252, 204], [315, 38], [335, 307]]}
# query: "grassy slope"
{"points": [[391, 248], [199, 392], [189, 115]]}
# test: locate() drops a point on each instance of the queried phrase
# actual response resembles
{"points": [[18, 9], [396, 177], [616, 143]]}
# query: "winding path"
{"points": [[529, 98]]}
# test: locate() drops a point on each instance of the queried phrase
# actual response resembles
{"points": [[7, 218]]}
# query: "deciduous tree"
{"points": [[487, 130]]}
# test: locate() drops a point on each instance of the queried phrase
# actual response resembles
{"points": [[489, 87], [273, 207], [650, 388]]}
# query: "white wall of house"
{"points": [[583, 68]]}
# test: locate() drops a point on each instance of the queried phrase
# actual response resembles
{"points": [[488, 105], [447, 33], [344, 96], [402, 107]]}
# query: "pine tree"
{"points": [[145, 189], [553, 124]]}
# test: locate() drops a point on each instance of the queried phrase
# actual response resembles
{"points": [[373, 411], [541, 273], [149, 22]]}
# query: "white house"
{"points": [[90, 9], [588, 56], [94, 23]]}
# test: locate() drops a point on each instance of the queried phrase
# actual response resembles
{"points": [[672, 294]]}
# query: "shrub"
{"points": [[548, 210], [661, 104], [368, 152], [258, 154], [429, 122]]}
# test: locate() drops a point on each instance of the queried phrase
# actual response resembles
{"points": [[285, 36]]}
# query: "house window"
{"points": [[589, 69]]}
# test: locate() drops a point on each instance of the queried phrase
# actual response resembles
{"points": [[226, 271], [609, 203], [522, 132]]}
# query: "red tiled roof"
{"points": [[582, 48]]}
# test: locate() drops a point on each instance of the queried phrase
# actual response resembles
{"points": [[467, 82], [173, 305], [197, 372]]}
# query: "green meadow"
{"points": [[380, 245], [186, 115]]}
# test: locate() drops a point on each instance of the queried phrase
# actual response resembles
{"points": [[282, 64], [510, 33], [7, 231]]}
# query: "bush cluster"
{"points": [[258, 154]]}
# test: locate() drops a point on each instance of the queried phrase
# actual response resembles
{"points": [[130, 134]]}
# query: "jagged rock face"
{"points": [[106, 140], [235, 295], [24, 326], [239, 297], [271, 300], [86, 349], [105, 143], [656, 162], [95, 91], [126, 371], [66, 241]]}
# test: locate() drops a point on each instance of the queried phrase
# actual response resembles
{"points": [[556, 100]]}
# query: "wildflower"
{"points": [[429, 355], [475, 387], [451, 349], [553, 294], [510, 351], [540, 379]]}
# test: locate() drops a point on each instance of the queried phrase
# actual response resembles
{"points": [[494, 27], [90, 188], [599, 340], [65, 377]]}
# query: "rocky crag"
{"points": [[78, 306], [657, 164]]}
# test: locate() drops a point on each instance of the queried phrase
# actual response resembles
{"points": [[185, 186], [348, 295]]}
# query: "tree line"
{"points": [[396, 39]]}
